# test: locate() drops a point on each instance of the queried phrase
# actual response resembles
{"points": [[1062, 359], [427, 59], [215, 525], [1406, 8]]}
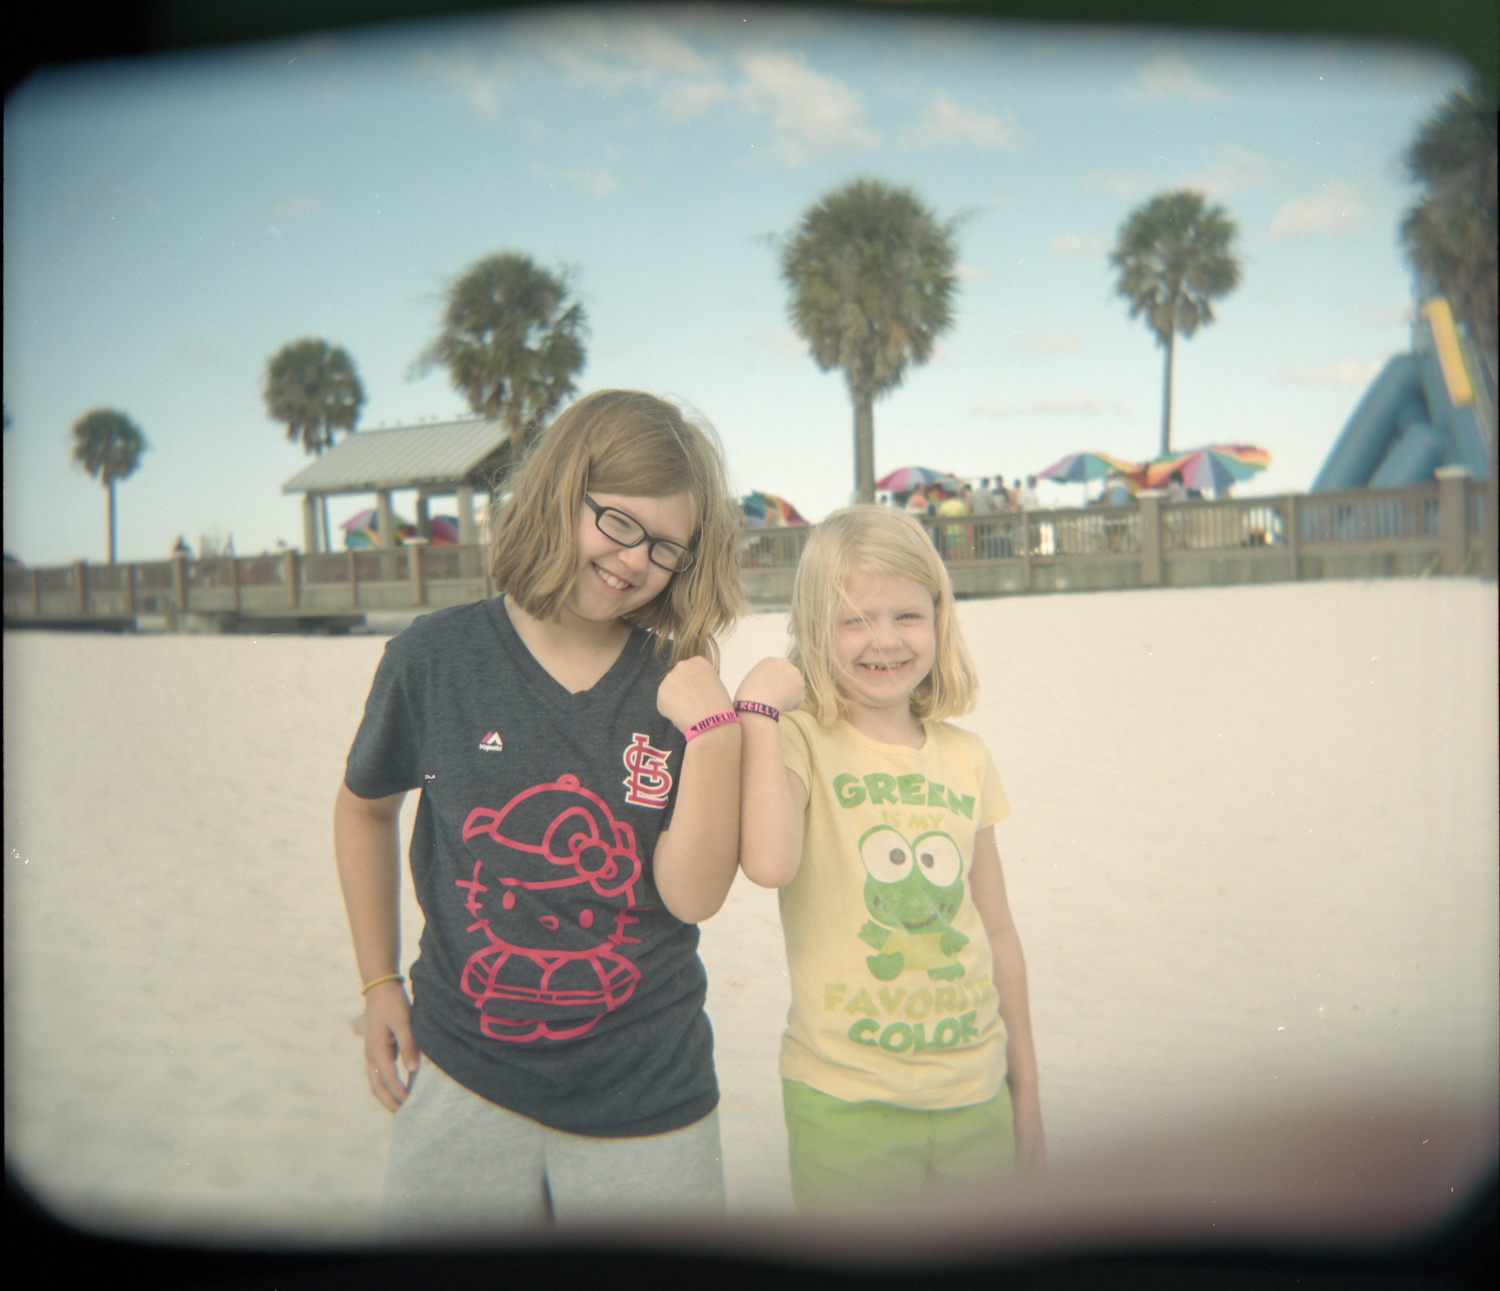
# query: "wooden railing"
{"points": [[1446, 527]]}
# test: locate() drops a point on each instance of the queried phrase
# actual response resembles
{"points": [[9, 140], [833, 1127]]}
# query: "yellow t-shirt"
{"points": [[893, 995]]}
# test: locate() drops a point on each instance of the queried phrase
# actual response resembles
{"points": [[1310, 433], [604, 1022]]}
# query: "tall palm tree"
{"points": [[512, 341], [108, 445], [871, 272], [313, 388], [1175, 254], [1450, 234]]}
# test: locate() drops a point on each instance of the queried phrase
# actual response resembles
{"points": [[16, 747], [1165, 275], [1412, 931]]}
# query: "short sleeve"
{"points": [[383, 759], [796, 753], [993, 806]]}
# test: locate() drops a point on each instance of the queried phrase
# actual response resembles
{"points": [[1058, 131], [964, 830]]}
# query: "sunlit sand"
{"points": [[1252, 858]]}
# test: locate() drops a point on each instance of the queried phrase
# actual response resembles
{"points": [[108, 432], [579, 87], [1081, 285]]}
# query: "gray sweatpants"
{"points": [[461, 1166]]}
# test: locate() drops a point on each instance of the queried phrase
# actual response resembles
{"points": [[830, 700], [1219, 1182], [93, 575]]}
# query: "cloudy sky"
{"points": [[169, 223]]}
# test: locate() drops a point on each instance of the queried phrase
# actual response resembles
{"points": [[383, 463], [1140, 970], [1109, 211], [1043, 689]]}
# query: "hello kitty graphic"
{"points": [[553, 894]]}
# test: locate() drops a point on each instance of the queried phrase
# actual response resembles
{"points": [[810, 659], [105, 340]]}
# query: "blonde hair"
{"points": [[634, 444], [874, 540]]}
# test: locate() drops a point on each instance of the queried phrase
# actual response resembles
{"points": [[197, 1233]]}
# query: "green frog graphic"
{"points": [[913, 890]]}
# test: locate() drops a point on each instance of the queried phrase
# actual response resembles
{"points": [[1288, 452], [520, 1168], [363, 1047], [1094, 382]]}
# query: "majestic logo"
{"points": [[553, 895], [492, 743], [649, 781]]}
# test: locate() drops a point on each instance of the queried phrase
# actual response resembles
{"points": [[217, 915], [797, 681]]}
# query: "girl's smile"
{"points": [[613, 580], [885, 643]]}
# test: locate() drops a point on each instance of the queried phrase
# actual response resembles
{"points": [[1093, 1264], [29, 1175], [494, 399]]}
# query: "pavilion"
{"points": [[437, 459]]}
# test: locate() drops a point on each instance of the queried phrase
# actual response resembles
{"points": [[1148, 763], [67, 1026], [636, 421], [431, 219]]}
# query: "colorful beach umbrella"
{"points": [[1214, 467], [444, 530], [1080, 468], [905, 478], [362, 529], [762, 509]]}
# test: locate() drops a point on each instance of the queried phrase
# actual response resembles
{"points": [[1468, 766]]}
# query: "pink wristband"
{"points": [[753, 706], [708, 723]]}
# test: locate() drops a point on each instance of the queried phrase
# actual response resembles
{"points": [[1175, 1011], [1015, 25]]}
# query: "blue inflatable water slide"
{"points": [[1428, 408]]}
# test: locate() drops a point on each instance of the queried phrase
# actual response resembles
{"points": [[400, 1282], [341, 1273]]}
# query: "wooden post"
{"points": [[418, 585], [384, 533], [1293, 520], [179, 583], [424, 520], [289, 576], [36, 594], [130, 590], [81, 587], [464, 500], [1025, 550], [353, 581], [310, 536], [1150, 504], [1453, 518], [234, 580]]}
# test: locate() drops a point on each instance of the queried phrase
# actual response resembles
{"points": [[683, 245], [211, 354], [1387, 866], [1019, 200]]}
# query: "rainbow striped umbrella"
{"points": [[1080, 468], [1214, 467], [906, 478], [766, 509]]}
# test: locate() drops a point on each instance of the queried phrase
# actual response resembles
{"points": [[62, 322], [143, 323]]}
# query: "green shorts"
{"points": [[848, 1153]]}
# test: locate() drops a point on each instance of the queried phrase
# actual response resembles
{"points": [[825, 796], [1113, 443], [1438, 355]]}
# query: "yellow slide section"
{"points": [[1450, 356]]}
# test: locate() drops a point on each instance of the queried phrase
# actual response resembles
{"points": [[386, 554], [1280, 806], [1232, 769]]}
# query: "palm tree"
{"points": [[313, 388], [1175, 254], [512, 341], [871, 271], [108, 445], [1450, 234]]}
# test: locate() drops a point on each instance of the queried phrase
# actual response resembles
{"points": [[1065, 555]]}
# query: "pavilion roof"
{"points": [[425, 455]]}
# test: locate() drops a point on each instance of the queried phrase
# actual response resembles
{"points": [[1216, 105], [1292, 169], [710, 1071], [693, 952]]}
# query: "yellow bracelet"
{"points": [[389, 977]]}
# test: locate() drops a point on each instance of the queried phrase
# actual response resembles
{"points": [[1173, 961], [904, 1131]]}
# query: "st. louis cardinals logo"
{"points": [[553, 896], [649, 781]]}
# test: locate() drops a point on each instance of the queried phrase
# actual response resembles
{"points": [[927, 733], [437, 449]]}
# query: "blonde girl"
{"points": [[907, 1062], [577, 761]]}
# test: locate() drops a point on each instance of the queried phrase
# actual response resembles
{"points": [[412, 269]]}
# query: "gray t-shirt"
{"points": [[551, 978]]}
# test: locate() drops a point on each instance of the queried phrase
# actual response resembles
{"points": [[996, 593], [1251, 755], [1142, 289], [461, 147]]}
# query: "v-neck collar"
{"points": [[543, 682]]}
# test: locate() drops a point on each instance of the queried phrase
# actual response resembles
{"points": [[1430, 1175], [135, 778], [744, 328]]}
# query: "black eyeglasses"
{"points": [[619, 527]]}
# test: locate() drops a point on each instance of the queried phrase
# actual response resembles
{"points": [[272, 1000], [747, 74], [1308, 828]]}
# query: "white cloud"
{"points": [[1054, 343], [1334, 211], [1233, 170], [1347, 373], [617, 53], [480, 86], [1171, 78], [1119, 183], [809, 112], [592, 179], [1078, 248], [972, 273], [949, 124]]}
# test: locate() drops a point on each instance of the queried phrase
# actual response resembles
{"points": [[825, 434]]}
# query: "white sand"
{"points": [[1252, 858]]}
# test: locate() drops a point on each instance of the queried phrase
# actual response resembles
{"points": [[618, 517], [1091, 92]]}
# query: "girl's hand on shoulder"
{"points": [[776, 682], [691, 692]]}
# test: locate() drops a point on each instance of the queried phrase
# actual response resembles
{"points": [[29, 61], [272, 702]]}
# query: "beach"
{"points": [[1252, 859]]}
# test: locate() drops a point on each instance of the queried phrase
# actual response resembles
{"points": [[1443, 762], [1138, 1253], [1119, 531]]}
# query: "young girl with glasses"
{"points": [[907, 1062], [577, 759]]}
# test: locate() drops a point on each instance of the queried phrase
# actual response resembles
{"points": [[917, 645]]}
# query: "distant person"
{"points": [[559, 1062], [884, 903], [181, 548], [916, 503], [1026, 494], [954, 534], [1175, 490], [1116, 492], [981, 500]]}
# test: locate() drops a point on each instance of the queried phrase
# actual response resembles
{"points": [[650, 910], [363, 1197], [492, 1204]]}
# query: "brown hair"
{"points": [[630, 443]]}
